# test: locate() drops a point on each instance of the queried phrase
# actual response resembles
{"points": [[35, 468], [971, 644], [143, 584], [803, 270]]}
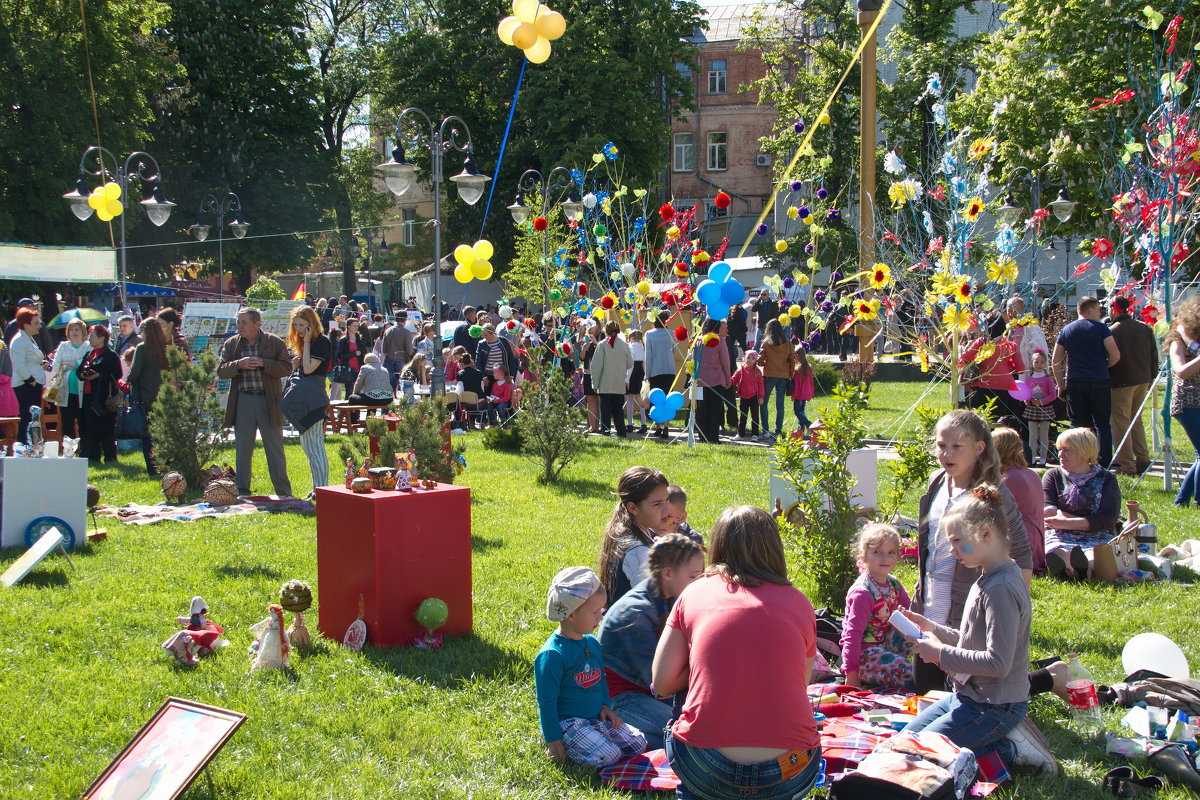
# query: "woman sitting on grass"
{"points": [[641, 510], [630, 631], [741, 640], [1083, 500]]}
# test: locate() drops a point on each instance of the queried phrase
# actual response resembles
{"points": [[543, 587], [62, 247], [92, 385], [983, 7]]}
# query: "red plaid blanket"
{"points": [[647, 772]]}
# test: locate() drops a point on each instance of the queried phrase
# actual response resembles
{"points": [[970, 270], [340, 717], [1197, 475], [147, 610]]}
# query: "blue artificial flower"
{"points": [[827, 306], [959, 187], [610, 151], [822, 193], [808, 248], [939, 113], [834, 277], [577, 176], [789, 282], [797, 185], [818, 295], [833, 215], [639, 225], [560, 257], [798, 126], [934, 84], [949, 164], [803, 211], [806, 345], [1006, 240], [600, 198], [761, 230]]}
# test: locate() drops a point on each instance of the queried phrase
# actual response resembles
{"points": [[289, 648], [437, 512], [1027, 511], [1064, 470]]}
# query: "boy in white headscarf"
{"points": [[572, 694]]}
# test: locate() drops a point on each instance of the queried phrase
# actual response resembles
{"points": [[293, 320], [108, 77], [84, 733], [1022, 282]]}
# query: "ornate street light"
{"points": [[139, 166], [398, 173], [229, 204], [1010, 212], [557, 182]]}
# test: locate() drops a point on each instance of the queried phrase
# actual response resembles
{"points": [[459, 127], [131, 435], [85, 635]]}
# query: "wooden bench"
{"points": [[346, 418]]}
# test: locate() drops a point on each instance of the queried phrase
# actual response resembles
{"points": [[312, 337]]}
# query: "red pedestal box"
{"points": [[392, 550]]}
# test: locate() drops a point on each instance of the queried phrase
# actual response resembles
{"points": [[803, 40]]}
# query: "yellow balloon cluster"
{"points": [[531, 28], [106, 200], [473, 261]]}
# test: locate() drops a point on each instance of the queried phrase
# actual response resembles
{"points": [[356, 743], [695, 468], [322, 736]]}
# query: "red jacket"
{"points": [[749, 382], [502, 391], [802, 385], [995, 371]]}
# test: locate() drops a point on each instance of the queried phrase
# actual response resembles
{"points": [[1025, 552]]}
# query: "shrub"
{"points": [[549, 426], [506, 438], [825, 376], [820, 545], [265, 291], [421, 429], [915, 461], [187, 423]]}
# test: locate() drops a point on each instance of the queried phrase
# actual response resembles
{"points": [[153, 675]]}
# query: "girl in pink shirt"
{"points": [[748, 380], [873, 652]]}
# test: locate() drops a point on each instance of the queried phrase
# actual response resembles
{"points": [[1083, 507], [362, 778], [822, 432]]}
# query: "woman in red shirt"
{"points": [[997, 361], [741, 642]]}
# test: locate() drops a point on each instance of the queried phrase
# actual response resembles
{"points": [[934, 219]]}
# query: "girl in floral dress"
{"points": [[873, 652]]}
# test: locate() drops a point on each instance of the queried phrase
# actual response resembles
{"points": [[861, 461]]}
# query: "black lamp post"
{"points": [[229, 204], [533, 180], [1011, 211]]}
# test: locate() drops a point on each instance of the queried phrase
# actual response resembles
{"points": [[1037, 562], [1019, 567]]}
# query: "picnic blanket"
{"points": [[136, 514]]}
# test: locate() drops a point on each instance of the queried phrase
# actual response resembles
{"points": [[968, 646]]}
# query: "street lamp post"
{"points": [[533, 180], [398, 173], [1011, 212], [139, 165], [229, 204]]}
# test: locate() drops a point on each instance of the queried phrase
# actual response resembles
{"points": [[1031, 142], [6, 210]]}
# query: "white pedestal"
{"points": [[863, 466], [42, 487]]}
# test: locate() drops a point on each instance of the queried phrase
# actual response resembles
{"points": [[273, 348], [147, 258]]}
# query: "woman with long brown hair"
{"points": [[145, 377], [641, 510], [1183, 346], [305, 400]]}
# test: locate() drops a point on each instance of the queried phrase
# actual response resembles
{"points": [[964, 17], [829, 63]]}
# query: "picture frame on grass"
{"points": [[166, 755]]}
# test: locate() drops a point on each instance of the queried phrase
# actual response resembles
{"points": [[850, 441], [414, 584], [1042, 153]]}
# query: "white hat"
{"points": [[199, 606], [568, 591]]}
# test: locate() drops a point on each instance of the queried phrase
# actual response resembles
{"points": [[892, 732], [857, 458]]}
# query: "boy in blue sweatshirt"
{"points": [[568, 672]]}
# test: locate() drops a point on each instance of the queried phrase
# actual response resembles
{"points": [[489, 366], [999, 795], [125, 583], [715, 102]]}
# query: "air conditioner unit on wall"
{"points": [[762, 160]]}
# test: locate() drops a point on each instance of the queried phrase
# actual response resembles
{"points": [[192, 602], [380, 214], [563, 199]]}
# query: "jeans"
{"points": [[1089, 405], [497, 413], [1189, 490], [981, 728], [748, 406], [705, 773], [798, 406], [394, 367], [780, 386], [644, 712]]}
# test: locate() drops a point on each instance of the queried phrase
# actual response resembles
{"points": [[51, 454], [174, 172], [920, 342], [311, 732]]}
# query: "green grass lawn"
{"points": [[83, 667]]}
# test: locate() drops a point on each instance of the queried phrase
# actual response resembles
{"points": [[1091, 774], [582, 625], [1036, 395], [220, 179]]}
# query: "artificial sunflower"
{"points": [[881, 276], [985, 352], [962, 290], [981, 147], [1002, 271], [957, 318], [944, 282], [866, 309], [973, 208]]}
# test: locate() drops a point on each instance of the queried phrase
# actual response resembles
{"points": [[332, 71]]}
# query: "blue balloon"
{"points": [[732, 292], [720, 272], [717, 311], [663, 406]]}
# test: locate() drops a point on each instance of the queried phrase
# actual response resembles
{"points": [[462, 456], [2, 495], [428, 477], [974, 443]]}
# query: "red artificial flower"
{"points": [[607, 302], [1173, 33], [540, 224], [564, 350], [681, 334], [935, 246], [888, 236], [722, 200], [669, 298], [711, 340], [512, 324], [1102, 248], [939, 193], [700, 257], [530, 323], [681, 269], [666, 212], [1123, 96], [582, 289], [1179, 254], [1082, 268]]}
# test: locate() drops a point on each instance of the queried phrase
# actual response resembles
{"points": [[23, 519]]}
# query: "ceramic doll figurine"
{"points": [[350, 475], [403, 476], [199, 638], [270, 649], [365, 472]]}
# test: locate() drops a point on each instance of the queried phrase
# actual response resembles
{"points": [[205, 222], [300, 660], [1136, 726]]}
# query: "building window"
{"points": [[716, 77], [685, 152], [409, 229], [715, 211], [718, 155]]}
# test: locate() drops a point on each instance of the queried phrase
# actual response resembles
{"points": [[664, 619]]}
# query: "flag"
{"points": [[299, 294]]}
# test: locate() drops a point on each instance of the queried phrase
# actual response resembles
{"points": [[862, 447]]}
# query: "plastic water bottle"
{"points": [[1081, 692]]}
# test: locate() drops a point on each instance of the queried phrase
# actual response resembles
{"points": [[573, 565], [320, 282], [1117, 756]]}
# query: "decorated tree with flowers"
{"points": [[939, 262]]}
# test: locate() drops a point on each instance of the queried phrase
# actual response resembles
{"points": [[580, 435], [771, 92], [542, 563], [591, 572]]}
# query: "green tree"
{"points": [[527, 275], [619, 58], [549, 426], [186, 423]]}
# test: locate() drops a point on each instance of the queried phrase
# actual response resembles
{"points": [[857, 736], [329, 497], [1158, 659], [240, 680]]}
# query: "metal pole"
{"points": [[437, 381], [868, 86], [123, 182], [221, 250]]}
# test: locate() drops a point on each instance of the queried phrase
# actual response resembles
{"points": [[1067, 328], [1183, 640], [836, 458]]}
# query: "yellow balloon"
{"points": [[524, 35], [785, 320], [526, 10], [781, 245], [483, 250], [462, 273], [550, 23], [482, 270], [539, 51], [505, 29], [114, 207], [464, 255], [643, 287], [97, 199], [103, 215], [112, 190], [794, 312]]}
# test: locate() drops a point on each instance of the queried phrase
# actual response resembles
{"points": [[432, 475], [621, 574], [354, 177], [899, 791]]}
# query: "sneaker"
{"points": [[1032, 748]]}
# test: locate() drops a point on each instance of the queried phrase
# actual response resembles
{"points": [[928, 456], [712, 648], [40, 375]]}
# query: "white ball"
{"points": [[589, 201]]}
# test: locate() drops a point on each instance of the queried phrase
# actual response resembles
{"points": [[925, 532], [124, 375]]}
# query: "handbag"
{"points": [[114, 400], [55, 388], [5, 362], [131, 420], [342, 373]]}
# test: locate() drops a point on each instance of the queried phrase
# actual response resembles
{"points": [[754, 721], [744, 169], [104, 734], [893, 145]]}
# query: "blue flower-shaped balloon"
{"points": [[663, 406], [610, 151], [720, 291]]}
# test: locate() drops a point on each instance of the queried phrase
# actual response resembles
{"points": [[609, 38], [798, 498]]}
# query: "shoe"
{"points": [[1124, 782], [1056, 567], [1172, 761], [642, 430], [1141, 466], [663, 433], [1032, 748], [1079, 562]]}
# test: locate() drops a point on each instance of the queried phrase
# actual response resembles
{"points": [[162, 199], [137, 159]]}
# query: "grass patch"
{"points": [[83, 666]]}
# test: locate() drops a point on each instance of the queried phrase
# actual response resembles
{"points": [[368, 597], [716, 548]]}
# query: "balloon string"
{"points": [[503, 143]]}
